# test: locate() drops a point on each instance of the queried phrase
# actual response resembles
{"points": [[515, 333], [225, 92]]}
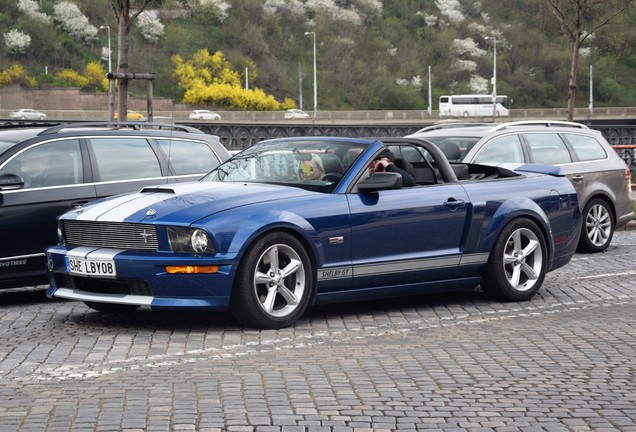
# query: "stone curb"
{"points": [[631, 226]]}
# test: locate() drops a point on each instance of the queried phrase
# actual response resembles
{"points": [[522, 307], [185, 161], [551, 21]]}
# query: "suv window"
{"points": [[547, 148], [125, 158], [586, 147], [506, 148], [189, 157], [48, 164]]}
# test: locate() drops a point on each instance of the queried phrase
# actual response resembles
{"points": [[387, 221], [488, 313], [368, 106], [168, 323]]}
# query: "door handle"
{"points": [[453, 203]]}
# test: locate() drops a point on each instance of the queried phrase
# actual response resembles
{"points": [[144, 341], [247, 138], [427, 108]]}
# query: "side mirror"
{"points": [[11, 182], [381, 181]]}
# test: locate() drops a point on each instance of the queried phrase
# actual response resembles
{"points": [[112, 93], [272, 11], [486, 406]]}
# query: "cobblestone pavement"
{"points": [[564, 361]]}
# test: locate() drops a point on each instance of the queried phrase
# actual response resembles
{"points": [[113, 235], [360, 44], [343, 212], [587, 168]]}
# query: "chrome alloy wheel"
{"points": [[598, 225], [279, 280], [523, 259]]}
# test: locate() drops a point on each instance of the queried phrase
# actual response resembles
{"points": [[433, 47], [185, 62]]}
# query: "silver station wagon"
{"points": [[599, 175]]}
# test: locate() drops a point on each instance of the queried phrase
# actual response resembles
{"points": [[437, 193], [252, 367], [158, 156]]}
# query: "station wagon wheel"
{"points": [[517, 264], [598, 226], [274, 283], [111, 307]]}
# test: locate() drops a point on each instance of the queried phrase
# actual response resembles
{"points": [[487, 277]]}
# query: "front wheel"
{"points": [[274, 283], [598, 227], [517, 264]]}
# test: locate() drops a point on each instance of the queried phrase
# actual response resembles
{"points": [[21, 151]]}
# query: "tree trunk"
{"points": [[124, 22], [122, 66], [574, 62]]}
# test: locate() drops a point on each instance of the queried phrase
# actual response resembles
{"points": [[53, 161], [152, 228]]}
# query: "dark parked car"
{"points": [[600, 177], [47, 171], [288, 223]]}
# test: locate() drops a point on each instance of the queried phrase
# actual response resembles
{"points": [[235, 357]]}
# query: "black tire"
{"points": [[274, 283], [112, 307], [517, 264], [598, 227]]}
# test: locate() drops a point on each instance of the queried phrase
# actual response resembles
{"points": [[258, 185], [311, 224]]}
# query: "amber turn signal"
{"points": [[192, 269]]}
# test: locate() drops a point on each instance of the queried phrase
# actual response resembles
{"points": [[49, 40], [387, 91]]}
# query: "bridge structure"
{"points": [[240, 135]]}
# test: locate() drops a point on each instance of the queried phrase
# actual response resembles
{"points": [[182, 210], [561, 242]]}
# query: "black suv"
{"points": [[46, 171]]}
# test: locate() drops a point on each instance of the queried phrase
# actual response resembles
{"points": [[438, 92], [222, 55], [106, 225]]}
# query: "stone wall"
{"points": [[16, 97]]}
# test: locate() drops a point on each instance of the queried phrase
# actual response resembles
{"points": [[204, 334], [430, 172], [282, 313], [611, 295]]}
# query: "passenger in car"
{"points": [[386, 162], [35, 171], [311, 169]]}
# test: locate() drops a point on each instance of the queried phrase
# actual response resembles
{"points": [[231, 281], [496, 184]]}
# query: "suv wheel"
{"points": [[598, 226]]}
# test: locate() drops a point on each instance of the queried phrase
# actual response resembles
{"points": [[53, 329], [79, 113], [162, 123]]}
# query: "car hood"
{"points": [[182, 203]]}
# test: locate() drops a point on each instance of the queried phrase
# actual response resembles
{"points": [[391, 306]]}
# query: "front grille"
{"points": [[103, 286], [118, 235]]}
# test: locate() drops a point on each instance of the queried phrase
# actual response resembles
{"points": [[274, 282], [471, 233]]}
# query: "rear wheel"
{"points": [[274, 283], [517, 264], [598, 227], [111, 307]]}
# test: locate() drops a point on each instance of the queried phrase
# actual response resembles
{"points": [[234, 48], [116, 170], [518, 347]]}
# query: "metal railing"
{"points": [[620, 114]]}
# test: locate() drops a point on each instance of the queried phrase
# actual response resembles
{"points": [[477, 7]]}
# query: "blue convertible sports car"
{"points": [[294, 222]]}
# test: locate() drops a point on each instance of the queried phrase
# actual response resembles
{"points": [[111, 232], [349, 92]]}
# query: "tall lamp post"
{"points": [[494, 75], [110, 66], [315, 87], [111, 83]]}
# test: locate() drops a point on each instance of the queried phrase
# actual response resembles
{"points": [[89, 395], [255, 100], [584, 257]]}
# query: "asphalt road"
{"points": [[564, 361]]}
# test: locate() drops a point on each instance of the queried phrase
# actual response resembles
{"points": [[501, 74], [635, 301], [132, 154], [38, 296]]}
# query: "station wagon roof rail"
{"points": [[451, 125], [121, 125], [547, 123]]}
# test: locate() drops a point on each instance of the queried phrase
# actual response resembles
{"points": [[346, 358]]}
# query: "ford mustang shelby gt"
{"points": [[294, 222]]}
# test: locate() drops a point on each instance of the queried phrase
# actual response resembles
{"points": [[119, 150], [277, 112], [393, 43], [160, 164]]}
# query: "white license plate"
{"points": [[90, 267]]}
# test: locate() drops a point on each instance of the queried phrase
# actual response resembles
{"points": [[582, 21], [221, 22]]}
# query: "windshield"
{"points": [[317, 165]]}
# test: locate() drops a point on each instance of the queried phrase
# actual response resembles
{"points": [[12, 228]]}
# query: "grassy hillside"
{"points": [[371, 54]]}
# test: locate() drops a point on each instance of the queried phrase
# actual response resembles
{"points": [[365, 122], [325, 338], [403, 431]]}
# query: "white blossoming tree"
{"points": [[150, 26], [16, 42], [70, 18], [31, 8]]}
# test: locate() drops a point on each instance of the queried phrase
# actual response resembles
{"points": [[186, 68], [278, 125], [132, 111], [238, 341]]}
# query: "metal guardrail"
{"points": [[618, 114]]}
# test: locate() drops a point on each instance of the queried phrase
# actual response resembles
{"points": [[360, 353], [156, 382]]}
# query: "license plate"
{"points": [[90, 267]]}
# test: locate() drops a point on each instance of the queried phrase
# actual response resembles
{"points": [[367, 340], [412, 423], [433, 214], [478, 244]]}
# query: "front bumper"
{"points": [[141, 279]]}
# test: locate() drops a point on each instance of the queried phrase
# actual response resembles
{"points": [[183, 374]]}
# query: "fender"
{"points": [[511, 209]]}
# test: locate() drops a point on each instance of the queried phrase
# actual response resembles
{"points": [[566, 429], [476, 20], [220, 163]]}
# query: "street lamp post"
{"points": [[315, 86], [110, 67], [494, 75], [111, 83]]}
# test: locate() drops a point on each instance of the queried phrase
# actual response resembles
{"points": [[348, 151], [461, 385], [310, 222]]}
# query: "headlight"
{"points": [[190, 240]]}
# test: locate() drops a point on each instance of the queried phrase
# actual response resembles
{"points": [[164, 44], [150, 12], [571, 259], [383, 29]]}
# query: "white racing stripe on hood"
{"points": [[117, 209], [121, 212]]}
